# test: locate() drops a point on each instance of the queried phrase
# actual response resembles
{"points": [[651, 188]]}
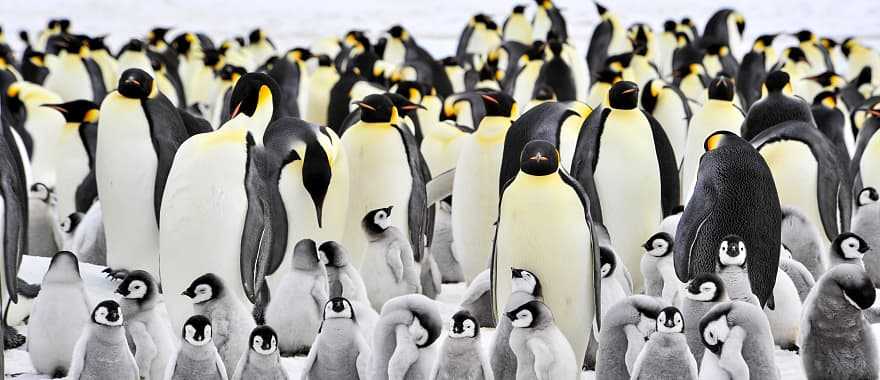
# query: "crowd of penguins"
{"points": [[669, 207]]}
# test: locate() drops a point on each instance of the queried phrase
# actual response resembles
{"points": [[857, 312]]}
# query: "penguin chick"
{"points": [[230, 321], [847, 248], [525, 286], [731, 267], [389, 267], [801, 277], [612, 291], [340, 269], [624, 331], [835, 336], [151, 337], [340, 351], [296, 308], [403, 344], [262, 360], [197, 358], [59, 314], [461, 356], [802, 238], [542, 352], [701, 293], [666, 355], [738, 342], [658, 269], [101, 352]]}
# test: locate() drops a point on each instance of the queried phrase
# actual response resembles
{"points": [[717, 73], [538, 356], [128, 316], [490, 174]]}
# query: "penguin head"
{"points": [[867, 196], [136, 84], [607, 262], [763, 42], [732, 251], [197, 330], [412, 90], [827, 99], [77, 111], [138, 285], [602, 10], [705, 287], [532, 314], [669, 26], [828, 79], [539, 158], [609, 76], [64, 267], [403, 105], [377, 108], [624, 96], [722, 88], [305, 255], [264, 340], [156, 37], [205, 288], [776, 81], [519, 9], [796, 55], [377, 221], [740, 22], [828, 44], [107, 313], [498, 104], [619, 62], [720, 139], [69, 224], [805, 36], [256, 36], [42, 192], [658, 245], [134, 45], [231, 73], [855, 284], [650, 93], [714, 329], [338, 308], [464, 325], [850, 246], [419, 334], [670, 320], [525, 281], [97, 43], [335, 254], [254, 92], [544, 93], [398, 32]]}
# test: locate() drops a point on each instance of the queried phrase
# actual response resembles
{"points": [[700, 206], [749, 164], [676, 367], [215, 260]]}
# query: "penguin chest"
{"points": [[69, 79], [669, 112], [869, 166], [795, 172], [395, 52], [45, 126], [568, 135], [525, 82], [692, 87], [72, 165]]}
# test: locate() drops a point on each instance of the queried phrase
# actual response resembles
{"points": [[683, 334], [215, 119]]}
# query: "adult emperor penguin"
{"points": [[378, 149], [657, 268], [58, 316], [548, 18], [146, 326], [517, 27], [701, 293], [624, 332], [523, 84], [75, 149], [260, 46], [775, 108], [831, 118], [461, 356], [525, 287], [556, 75], [133, 55], [340, 351], [255, 103], [725, 28], [737, 196], [817, 55], [197, 357], [739, 334], [139, 128], [834, 326], [475, 190], [719, 113], [43, 124], [627, 167], [541, 349], [262, 360], [847, 248], [666, 355], [101, 353], [753, 69], [403, 346], [73, 74], [318, 91], [810, 174], [668, 105], [609, 38]]}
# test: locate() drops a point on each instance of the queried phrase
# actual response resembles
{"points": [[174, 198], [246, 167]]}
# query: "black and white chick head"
{"points": [[532, 314], [377, 221], [670, 320], [264, 340], [464, 325], [206, 287], [139, 286], [732, 251], [523, 280], [705, 287], [107, 313], [658, 245], [197, 330], [849, 246]]}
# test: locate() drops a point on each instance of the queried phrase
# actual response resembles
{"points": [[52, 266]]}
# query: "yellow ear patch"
{"points": [[91, 116], [414, 95], [265, 96], [829, 102], [713, 141], [13, 90], [37, 61], [229, 135]]}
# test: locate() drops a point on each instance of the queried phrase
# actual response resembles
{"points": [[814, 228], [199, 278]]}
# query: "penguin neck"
{"points": [[529, 179], [376, 125], [205, 352], [108, 335], [492, 128], [264, 361], [629, 115]]}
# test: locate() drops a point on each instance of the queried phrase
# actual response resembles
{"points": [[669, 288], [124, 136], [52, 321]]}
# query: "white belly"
{"points": [[441, 154], [525, 83], [670, 114], [795, 173], [126, 174], [869, 166], [69, 79], [71, 165], [44, 125], [628, 184], [568, 135], [319, 97], [714, 116], [692, 87], [785, 319]]}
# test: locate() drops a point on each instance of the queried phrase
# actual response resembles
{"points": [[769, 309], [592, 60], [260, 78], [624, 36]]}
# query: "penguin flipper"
{"points": [[86, 192], [77, 360], [15, 199], [698, 210], [194, 124], [418, 199], [11, 338], [669, 180], [597, 53], [586, 156]]}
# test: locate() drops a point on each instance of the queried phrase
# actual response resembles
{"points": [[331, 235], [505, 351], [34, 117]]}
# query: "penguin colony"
{"points": [[672, 206]]}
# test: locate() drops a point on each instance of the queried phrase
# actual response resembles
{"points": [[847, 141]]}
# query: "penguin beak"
{"points": [[365, 106], [122, 291], [189, 293], [410, 107], [864, 248], [236, 110]]}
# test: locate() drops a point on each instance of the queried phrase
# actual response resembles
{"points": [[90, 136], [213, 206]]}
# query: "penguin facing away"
{"points": [[340, 351], [102, 350], [666, 355], [197, 357]]}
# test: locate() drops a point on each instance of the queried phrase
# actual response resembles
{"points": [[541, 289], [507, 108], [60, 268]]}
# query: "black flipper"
{"points": [[418, 198], [167, 132], [669, 181]]}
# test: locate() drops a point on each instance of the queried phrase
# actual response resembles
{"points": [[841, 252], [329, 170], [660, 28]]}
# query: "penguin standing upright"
{"points": [[753, 69], [75, 149], [668, 105], [738, 342], [100, 53], [461, 356], [556, 74], [255, 103], [149, 332], [525, 287], [262, 360], [74, 75], [133, 55], [725, 27], [523, 84], [524, 234], [831, 118], [548, 18], [292, 75], [197, 357], [865, 223], [701, 293], [517, 27], [816, 54], [776, 108], [318, 91], [627, 166], [666, 355], [540, 347], [608, 39], [340, 351], [102, 350]]}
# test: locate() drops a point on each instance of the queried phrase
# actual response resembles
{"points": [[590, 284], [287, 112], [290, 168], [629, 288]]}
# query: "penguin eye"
{"points": [[258, 340]]}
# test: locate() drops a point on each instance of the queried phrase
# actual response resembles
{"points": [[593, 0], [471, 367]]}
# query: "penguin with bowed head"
{"points": [[803, 240], [541, 350], [403, 345], [700, 294], [388, 260], [866, 223], [775, 108], [146, 325], [197, 358], [461, 355], [102, 353], [624, 331], [525, 287], [738, 343], [262, 360], [340, 269], [666, 355], [340, 351]]}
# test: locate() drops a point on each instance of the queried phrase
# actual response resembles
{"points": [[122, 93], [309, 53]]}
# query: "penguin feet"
{"points": [[25, 289], [116, 274], [11, 338]]}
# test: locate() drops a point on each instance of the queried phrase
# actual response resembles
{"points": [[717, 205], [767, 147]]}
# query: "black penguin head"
{"points": [[609, 76], [796, 55], [398, 32], [205, 288], [650, 93], [658, 245], [264, 340], [255, 36], [867, 196], [828, 79], [599, 8], [134, 45], [377, 221], [721, 139], [64, 267], [722, 88], [69, 224], [231, 73], [197, 330], [828, 43], [624, 96], [525, 281], [532, 314], [706, 287], [763, 42], [849, 246], [740, 22], [464, 325], [138, 285], [536, 52], [156, 36], [97, 43], [670, 320], [305, 255], [732, 251], [826, 99], [324, 60], [337, 308], [519, 9], [422, 336], [335, 253], [107, 313], [669, 26], [539, 158], [136, 84], [77, 111], [377, 109], [403, 105], [412, 91], [498, 104], [255, 91], [545, 93], [607, 262], [776, 81], [805, 36]]}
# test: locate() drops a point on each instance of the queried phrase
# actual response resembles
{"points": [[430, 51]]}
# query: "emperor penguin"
{"points": [[732, 267], [666, 354], [461, 355], [738, 333], [101, 353], [75, 149], [318, 91], [341, 270], [340, 350], [254, 104], [74, 74], [598, 94], [775, 108], [301, 295], [525, 287], [523, 234], [804, 241], [864, 171], [810, 174], [403, 346], [624, 332], [609, 38], [817, 55], [232, 323], [523, 84], [58, 316], [834, 326], [138, 128], [517, 27], [666, 44], [146, 325], [831, 118], [475, 190], [262, 360], [701, 293], [541, 349], [44, 125], [719, 60], [613, 291], [657, 267], [379, 149], [292, 75], [388, 266], [753, 69], [556, 75], [865, 224], [737, 196], [133, 55], [628, 168], [691, 79], [725, 27], [100, 53], [197, 357], [669, 106], [847, 248]]}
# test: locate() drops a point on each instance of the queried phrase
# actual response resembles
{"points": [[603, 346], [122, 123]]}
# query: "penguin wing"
{"points": [[242, 363], [557, 23], [78, 359], [695, 215], [597, 53], [640, 361], [543, 355], [86, 193], [14, 192], [194, 124], [172, 364], [88, 134], [587, 155], [221, 368], [862, 139], [167, 132], [419, 213], [669, 181], [97, 80], [463, 40], [594, 244]]}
